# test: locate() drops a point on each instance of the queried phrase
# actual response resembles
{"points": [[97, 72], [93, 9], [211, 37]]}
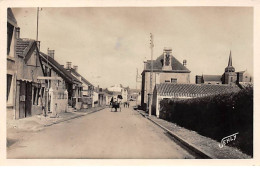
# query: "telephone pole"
{"points": [[151, 76], [138, 78], [38, 9]]}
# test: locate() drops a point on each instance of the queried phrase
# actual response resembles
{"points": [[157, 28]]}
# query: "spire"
{"points": [[230, 68], [230, 59]]}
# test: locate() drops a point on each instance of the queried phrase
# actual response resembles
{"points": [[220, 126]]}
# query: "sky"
{"points": [[109, 44]]}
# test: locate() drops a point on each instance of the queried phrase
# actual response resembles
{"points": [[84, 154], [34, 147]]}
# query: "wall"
{"points": [[160, 77], [59, 101], [95, 98], [181, 77]]}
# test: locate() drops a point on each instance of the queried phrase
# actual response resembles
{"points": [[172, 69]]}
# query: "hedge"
{"points": [[215, 116]]}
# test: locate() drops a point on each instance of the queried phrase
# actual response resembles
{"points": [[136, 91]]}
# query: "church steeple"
{"points": [[230, 59], [230, 68]]}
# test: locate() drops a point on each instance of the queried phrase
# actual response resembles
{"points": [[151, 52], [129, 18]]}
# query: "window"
{"points": [[173, 80], [167, 81]]}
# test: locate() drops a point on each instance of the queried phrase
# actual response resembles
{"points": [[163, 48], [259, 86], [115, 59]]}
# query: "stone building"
{"points": [[29, 90], [59, 84], [11, 73], [166, 68], [87, 87]]}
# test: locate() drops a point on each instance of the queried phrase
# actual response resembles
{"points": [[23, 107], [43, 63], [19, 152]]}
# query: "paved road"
{"points": [[103, 134]]}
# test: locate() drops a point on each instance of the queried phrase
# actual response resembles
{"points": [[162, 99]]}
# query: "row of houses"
{"points": [[171, 80], [38, 84]]}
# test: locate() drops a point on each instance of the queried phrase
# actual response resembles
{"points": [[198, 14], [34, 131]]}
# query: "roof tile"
{"points": [[157, 64], [194, 89]]}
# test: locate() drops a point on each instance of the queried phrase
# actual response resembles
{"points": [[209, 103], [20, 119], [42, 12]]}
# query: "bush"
{"points": [[215, 116]]}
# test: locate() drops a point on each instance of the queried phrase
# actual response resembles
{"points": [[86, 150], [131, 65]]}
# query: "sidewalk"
{"points": [[38, 122], [200, 144]]}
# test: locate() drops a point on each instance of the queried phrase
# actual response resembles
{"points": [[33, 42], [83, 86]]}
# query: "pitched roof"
{"points": [[10, 17], [170, 89], [59, 69], [157, 65], [216, 78], [244, 85], [23, 46], [83, 79]]}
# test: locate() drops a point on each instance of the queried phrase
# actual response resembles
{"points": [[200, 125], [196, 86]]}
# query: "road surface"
{"points": [[104, 135]]}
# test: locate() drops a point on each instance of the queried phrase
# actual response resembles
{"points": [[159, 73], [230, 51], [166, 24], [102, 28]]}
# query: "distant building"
{"points": [[119, 90], [87, 87], [228, 77], [166, 69]]}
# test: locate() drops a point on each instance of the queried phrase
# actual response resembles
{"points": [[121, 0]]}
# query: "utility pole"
{"points": [[38, 10], [151, 76], [138, 78]]}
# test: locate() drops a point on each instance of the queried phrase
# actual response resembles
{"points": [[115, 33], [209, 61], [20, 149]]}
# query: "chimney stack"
{"points": [[75, 67], [17, 32], [167, 58], [51, 53], [184, 63], [68, 66], [198, 79]]}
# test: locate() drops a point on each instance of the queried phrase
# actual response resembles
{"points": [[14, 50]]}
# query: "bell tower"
{"points": [[167, 59], [230, 76]]}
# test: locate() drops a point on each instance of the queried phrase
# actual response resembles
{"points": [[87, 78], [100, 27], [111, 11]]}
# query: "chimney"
{"points": [[167, 58], [75, 68], [51, 53], [68, 65], [198, 79], [145, 63], [17, 32], [184, 62]]}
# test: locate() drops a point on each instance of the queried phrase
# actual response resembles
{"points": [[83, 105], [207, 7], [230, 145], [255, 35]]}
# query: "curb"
{"points": [[190, 146], [71, 118]]}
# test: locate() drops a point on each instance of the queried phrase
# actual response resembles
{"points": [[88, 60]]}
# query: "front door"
{"points": [[22, 99]]}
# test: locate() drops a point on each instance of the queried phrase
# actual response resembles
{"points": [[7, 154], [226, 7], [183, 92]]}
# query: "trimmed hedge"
{"points": [[215, 116]]}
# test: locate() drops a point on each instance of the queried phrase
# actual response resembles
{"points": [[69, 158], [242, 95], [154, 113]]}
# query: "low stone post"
{"points": [[52, 101]]}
